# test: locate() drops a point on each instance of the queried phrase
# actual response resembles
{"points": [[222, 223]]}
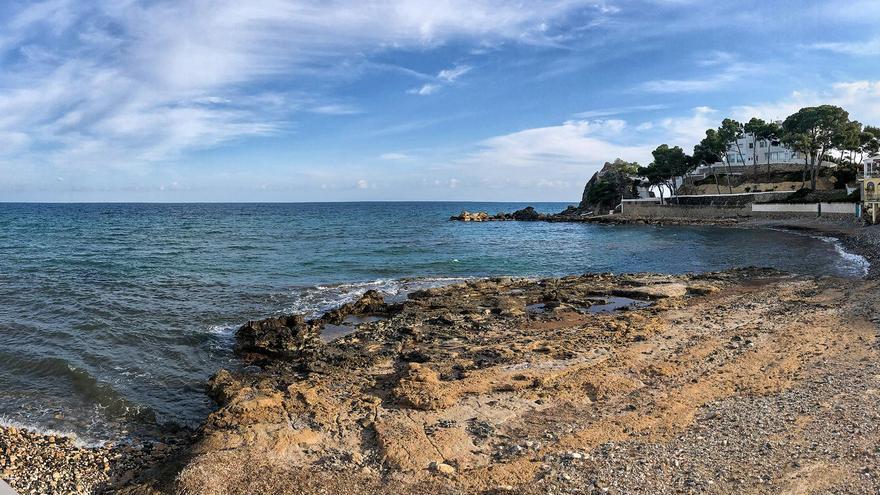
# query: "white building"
{"points": [[748, 151]]}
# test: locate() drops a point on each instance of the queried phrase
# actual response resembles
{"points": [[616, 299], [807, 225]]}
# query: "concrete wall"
{"points": [[785, 208], [778, 210], [811, 209], [642, 210], [736, 199], [839, 208]]}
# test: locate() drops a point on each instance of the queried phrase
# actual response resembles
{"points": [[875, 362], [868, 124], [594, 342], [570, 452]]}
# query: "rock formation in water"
{"points": [[527, 214]]}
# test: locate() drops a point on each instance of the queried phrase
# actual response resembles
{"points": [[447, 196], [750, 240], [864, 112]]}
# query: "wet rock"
{"points": [[279, 336], [371, 303], [527, 214], [466, 216]]}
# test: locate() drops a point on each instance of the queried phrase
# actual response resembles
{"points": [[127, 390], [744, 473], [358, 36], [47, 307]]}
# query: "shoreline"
{"points": [[128, 464], [537, 399], [858, 239]]}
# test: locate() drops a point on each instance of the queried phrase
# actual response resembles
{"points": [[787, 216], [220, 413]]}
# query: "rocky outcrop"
{"points": [[478, 216], [293, 338], [526, 214], [448, 388], [278, 336], [372, 303], [607, 187]]}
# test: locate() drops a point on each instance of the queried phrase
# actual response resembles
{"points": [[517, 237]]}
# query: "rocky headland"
{"points": [[739, 381]]}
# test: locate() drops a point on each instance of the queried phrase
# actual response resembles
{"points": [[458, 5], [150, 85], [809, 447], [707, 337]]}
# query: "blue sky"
{"points": [[302, 100]]}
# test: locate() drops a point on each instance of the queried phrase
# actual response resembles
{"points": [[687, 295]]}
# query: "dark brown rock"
{"points": [[278, 336]]}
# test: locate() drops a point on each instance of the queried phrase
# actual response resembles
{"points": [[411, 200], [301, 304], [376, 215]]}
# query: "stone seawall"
{"points": [[655, 211], [762, 210]]}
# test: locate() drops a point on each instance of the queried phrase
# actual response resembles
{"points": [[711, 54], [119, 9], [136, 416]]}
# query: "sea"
{"points": [[113, 316]]}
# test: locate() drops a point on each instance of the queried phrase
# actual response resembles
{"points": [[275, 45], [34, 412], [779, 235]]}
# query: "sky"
{"points": [[365, 100]]}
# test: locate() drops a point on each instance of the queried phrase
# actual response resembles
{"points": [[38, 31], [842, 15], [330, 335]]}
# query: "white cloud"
{"points": [[688, 131], [107, 82], [860, 98], [444, 78], [858, 48], [362, 184], [725, 69], [425, 90], [608, 112], [395, 156], [450, 75], [572, 146]]}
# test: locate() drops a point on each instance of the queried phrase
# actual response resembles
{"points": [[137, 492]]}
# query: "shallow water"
{"points": [[113, 316]]}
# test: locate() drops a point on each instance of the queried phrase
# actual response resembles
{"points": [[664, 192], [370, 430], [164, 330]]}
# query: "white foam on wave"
{"points": [[859, 263], [224, 330], [6, 422], [315, 301]]}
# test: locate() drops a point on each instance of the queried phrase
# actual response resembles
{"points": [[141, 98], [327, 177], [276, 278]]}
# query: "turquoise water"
{"points": [[112, 316]]}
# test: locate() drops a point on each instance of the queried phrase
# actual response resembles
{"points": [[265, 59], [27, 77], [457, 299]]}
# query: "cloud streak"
{"points": [[123, 83], [444, 78]]}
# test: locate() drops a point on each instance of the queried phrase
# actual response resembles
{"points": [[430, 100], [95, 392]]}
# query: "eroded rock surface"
{"points": [[462, 389]]}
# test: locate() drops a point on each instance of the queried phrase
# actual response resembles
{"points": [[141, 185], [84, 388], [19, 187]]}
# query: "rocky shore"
{"points": [[35, 463], [740, 381]]}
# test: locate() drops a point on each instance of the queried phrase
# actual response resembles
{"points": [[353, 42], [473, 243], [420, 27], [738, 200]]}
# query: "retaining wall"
{"points": [[779, 210], [682, 211], [809, 209]]}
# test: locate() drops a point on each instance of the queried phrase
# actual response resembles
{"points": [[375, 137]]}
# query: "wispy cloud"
{"points": [[609, 112], [126, 82], [860, 98], [581, 145], [335, 109], [395, 156], [425, 89], [444, 78], [866, 48], [724, 70]]}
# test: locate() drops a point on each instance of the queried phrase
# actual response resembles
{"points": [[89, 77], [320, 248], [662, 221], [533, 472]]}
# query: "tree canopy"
{"points": [[823, 132]]}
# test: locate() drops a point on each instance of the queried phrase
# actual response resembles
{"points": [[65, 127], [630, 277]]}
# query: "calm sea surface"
{"points": [[112, 316]]}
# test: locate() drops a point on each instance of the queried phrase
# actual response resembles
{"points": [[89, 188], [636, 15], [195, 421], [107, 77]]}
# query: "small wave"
{"points": [[857, 261], [7, 422], [224, 330], [317, 300]]}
